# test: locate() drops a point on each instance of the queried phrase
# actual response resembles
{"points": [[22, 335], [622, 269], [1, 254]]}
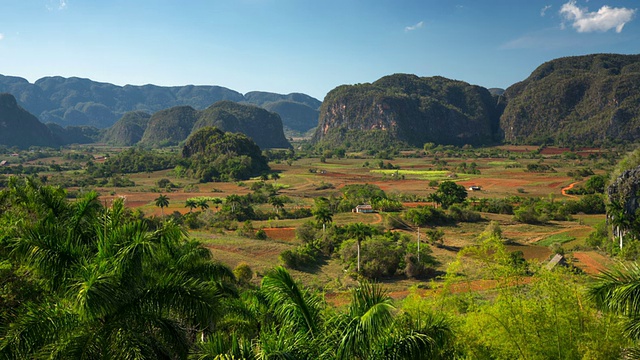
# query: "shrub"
{"points": [[300, 257], [243, 273]]}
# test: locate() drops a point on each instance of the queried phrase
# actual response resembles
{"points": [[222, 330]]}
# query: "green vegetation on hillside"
{"points": [[217, 155], [586, 100], [410, 109]]}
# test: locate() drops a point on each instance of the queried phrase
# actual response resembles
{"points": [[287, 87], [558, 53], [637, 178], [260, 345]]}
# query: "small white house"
{"points": [[363, 209], [474, 188]]}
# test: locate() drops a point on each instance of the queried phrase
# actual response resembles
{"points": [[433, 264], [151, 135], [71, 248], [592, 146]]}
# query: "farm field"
{"points": [[498, 173], [308, 178]]}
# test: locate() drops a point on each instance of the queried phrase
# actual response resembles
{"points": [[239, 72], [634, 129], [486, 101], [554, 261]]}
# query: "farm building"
{"points": [[474, 188], [363, 209], [4, 163]]}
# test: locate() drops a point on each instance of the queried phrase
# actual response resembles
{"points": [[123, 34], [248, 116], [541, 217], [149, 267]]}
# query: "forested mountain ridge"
{"points": [[128, 130], [410, 109], [172, 126], [586, 100], [264, 127], [299, 112], [20, 128], [77, 101]]}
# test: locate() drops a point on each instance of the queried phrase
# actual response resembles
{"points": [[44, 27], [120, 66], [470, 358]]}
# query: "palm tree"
{"points": [[162, 202], [620, 221], [217, 201], [370, 314], [360, 232], [277, 202], [127, 291], [191, 204], [618, 291], [203, 203], [323, 216]]}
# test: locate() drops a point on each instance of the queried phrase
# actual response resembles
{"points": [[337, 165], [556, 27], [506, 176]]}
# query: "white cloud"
{"points": [[57, 5], [543, 11], [605, 19], [1, 36], [414, 27]]}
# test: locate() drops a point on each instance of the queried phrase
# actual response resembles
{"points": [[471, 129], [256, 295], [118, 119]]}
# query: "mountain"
{"points": [[20, 128], [585, 100], [77, 101], [261, 98], [299, 112], [128, 130], [172, 126], [296, 117], [264, 127], [408, 109]]}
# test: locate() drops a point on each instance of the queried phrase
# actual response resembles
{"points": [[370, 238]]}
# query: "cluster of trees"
{"points": [[133, 160], [214, 155]]}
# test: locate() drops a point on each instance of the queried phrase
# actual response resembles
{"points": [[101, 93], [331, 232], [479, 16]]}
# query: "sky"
{"points": [[305, 46]]}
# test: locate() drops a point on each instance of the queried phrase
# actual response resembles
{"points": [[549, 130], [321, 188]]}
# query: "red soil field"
{"points": [[285, 234]]}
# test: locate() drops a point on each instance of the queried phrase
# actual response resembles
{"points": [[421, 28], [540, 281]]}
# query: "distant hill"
{"points": [[21, 129], [408, 109], [76, 101], [262, 126], [586, 100], [128, 130], [172, 126], [296, 117]]}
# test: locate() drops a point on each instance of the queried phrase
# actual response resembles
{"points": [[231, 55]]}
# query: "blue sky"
{"points": [[302, 45]]}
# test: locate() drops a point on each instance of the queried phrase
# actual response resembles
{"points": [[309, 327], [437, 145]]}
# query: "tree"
{"points": [[275, 177], [323, 216], [203, 203], [450, 193], [109, 287], [617, 290], [360, 232], [191, 204], [277, 202], [162, 202]]}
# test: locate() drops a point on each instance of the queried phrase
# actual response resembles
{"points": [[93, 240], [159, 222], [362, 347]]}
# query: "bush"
{"points": [[300, 257], [460, 214], [243, 273]]}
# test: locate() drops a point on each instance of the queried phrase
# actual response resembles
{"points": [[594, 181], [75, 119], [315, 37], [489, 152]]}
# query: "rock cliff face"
{"points": [[411, 109], [583, 100], [20, 128], [624, 200]]}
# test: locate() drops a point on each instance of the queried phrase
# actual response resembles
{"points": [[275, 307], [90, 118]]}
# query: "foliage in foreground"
{"points": [[87, 282]]}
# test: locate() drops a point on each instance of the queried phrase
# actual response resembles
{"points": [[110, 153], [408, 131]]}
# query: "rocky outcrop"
{"points": [[411, 109], [624, 201], [585, 100]]}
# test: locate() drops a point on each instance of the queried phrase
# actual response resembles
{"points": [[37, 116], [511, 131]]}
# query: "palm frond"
{"points": [[289, 301]]}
